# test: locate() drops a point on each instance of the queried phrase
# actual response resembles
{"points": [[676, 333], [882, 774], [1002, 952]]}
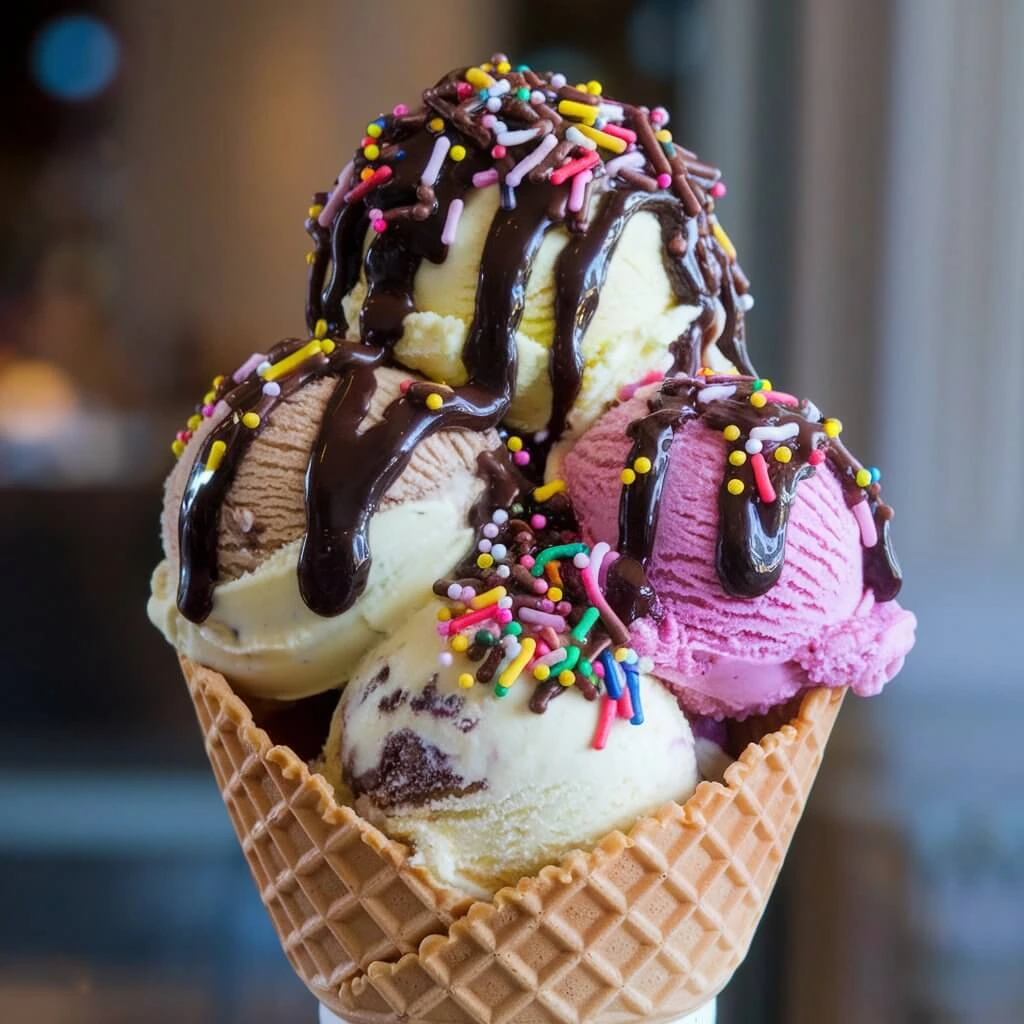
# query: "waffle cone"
{"points": [[644, 927]]}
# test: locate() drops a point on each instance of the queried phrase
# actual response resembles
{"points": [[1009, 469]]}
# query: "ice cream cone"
{"points": [[645, 927]]}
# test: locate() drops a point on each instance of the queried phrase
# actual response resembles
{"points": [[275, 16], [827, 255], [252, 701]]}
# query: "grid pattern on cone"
{"points": [[641, 929], [338, 892]]}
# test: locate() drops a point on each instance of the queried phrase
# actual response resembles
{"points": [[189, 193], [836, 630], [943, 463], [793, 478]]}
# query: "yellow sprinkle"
{"points": [[554, 594], [435, 124], [193, 422], [315, 210], [783, 454], [580, 86], [766, 384], [518, 663], [479, 78], [434, 401], [485, 561], [584, 111], [627, 476], [459, 643], [217, 450], [863, 478], [832, 427], [444, 614], [487, 598], [514, 444], [594, 87], [372, 151], [320, 329], [366, 172], [642, 465], [724, 241], [504, 68], [734, 486], [311, 258], [487, 66], [327, 346], [218, 380], [289, 363], [757, 400], [621, 653], [177, 447], [731, 432], [567, 677], [663, 135], [541, 673], [209, 398], [251, 420], [466, 680], [603, 139], [549, 490], [373, 130], [457, 153], [737, 458]]}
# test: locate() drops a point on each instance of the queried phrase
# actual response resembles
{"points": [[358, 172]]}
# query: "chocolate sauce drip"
{"points": [[751, 544]]}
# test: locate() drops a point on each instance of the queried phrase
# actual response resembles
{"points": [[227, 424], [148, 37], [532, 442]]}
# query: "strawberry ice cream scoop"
{"points": [[771, 573]]}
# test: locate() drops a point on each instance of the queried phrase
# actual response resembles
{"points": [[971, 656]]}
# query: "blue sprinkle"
{"points": [[612, 679], [876, 474], [633, 682], [400, 154]]}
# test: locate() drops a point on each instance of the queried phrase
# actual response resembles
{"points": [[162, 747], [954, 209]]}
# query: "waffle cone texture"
{"points": [[644, 927]]}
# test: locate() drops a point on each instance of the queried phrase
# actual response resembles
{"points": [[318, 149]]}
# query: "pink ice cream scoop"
{"points": [[772, 569]]}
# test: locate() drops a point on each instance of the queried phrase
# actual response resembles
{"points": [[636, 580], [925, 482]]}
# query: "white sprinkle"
{"points": [[645, 665], [753, 446], [536, 97], [515, 177], [746, 302], [541, 436], [811, 411], [573, 134], [780, 433], [610, 111], [272, 389], [484, 546], [500, 87], [503, 572], [716, 393], [499, 516], [557, 81], [451, 222], [490, 531], [454, 590], [494, 104], [633, 161], [467, 594], [441, 146], [581, 560], [498, 127], [518, 138], [499, 551], [445, 657], [504, 602], [263, 368]]}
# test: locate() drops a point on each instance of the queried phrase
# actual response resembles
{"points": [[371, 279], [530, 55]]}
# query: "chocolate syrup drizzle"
{"points": [[751, 531], [349, 471]]}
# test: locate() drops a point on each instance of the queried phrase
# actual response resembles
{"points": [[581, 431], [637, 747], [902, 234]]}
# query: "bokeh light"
{"points": [[74, 57]]}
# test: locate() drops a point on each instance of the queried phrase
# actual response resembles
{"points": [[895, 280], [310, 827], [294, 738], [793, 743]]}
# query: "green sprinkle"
{"points": [[572, 655], [586, 668], [512, 629], [558, 551], [523, 94], [500, 691], [586, 623], [522, 67], [485, 637]]}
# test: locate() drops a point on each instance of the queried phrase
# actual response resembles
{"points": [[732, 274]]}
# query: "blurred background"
{"points": [[157, 161]]}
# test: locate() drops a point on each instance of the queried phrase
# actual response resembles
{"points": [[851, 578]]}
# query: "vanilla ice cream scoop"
{"points": [[241, 590], [485, 789]]}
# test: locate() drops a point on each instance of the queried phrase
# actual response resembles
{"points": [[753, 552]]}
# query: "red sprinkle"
{"points": [[625, 703], [583, 163], [498, 152], [764, 484], [404, 386], [817, 457], [619, 132], [463, 90], [364, 188], [604, 723], [718, 190], [780, 398]]}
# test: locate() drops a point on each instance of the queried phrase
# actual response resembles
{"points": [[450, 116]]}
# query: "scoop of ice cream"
{"points": [[485, 789], [768, 568], [544, 242], [260, 630]]}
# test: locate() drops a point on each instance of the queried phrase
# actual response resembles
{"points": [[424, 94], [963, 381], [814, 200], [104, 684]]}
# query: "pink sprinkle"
{"points": [[563, 607], [400, 110], [404, 386], [540, 586], [604, 723], [659, 115], [463, 90], [498, 152], [761, 478], [718, 189], [625, 703], [488, 120], [664, 180], [504, 616], [868, 530], [619, 132], [542, 649], [380, 225], [539, 618], [538, 522], [484, 178], [376, 213], [208, 411], [247, 367], [817, 457], [451, 222], [578, 189], [527, 561], [547, 605], [521, 458], [781, 398], [183, 435]]}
